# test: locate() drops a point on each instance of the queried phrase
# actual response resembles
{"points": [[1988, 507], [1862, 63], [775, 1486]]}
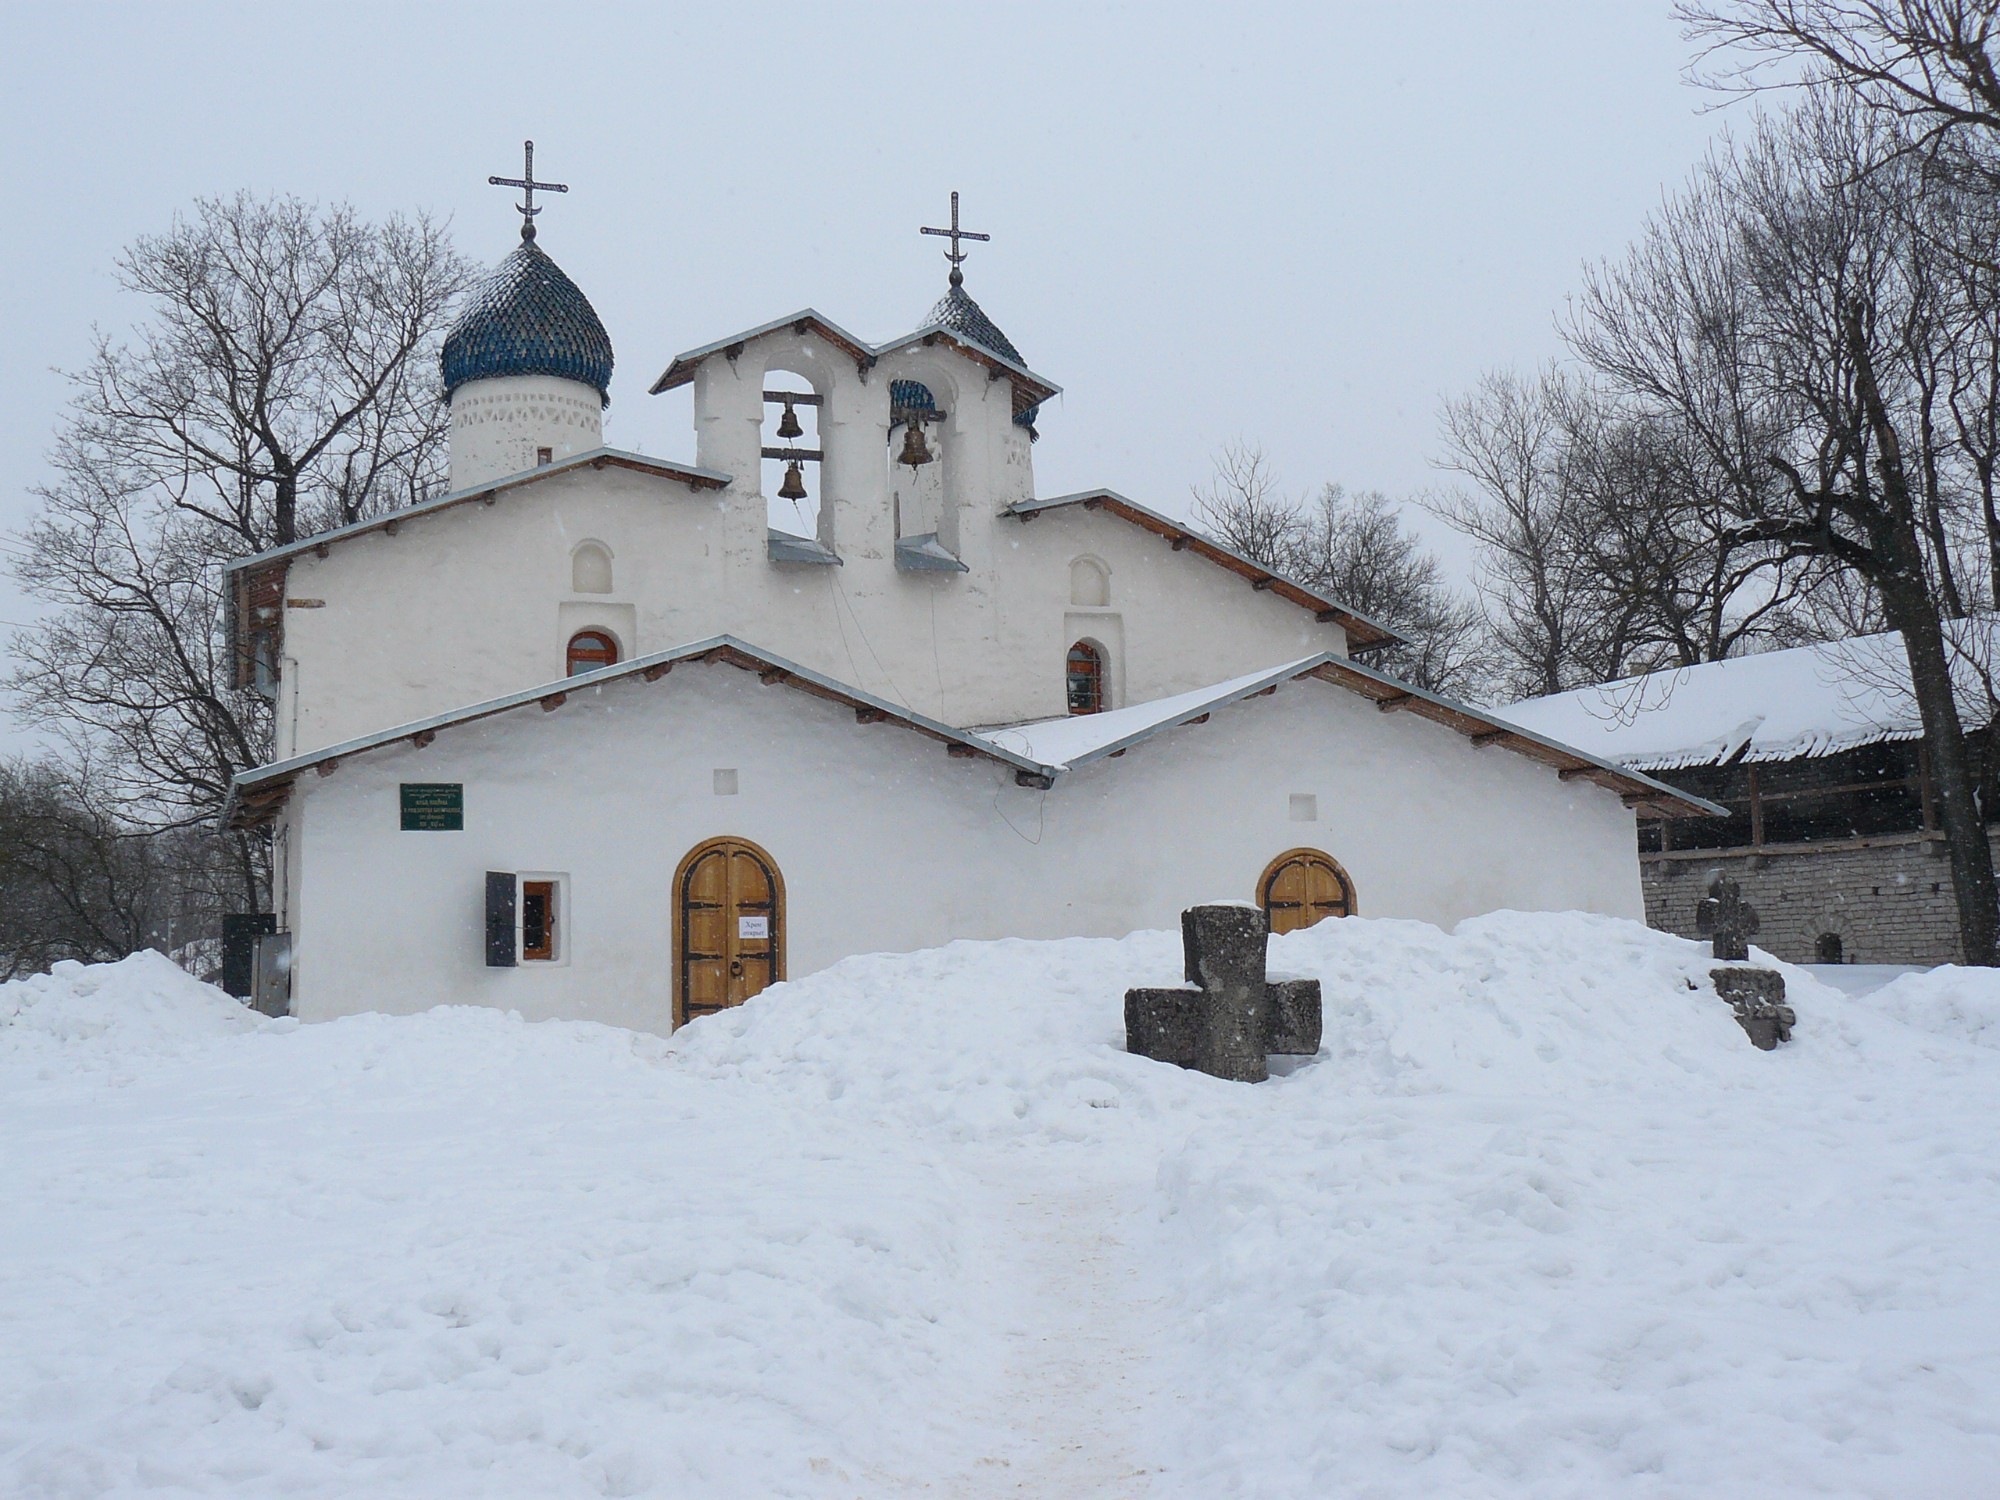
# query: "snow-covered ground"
{"points": [[1537, 1222]]}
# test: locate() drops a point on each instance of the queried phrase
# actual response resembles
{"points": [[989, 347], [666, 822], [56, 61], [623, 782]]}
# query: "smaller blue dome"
{"points": [[528, 318], [957, 311]]}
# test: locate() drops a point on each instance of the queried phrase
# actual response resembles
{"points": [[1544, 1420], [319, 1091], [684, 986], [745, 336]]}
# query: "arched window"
{"points": [[1086, 679], [591, 649], [590, 570], [1302, 887], [1089, 583]]}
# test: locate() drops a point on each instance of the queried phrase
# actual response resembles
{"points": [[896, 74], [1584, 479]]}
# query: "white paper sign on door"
{"points": [[753, 927]]}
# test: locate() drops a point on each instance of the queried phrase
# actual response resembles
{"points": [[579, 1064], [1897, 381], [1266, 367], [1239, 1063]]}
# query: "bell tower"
{"points": [[527, 366]]}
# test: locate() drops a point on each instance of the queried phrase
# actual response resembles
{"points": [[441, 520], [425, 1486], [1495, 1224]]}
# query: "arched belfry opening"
{"points": [[793, 457], [916, 460]]}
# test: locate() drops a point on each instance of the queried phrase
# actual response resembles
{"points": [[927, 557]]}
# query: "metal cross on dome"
{"points": [[526, 182], [955, 255]]}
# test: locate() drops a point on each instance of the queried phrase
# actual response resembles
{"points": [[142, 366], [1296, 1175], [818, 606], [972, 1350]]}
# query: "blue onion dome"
{"points": [[957, 312], [528, 318]]}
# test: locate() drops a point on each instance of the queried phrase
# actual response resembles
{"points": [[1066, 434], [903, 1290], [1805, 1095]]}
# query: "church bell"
{"points": [[915, 450], [794, 486], [788, 424]]}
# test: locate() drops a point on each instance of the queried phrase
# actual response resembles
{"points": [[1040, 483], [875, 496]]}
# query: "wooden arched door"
{"points": [[729, 927], [1304, 886]]}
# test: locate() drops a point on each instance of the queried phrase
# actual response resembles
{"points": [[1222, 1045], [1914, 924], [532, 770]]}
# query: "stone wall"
{"points": [[1889, 899]]}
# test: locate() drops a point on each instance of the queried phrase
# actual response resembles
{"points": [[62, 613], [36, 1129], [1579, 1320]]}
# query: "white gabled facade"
{"points": [[886, 842]]}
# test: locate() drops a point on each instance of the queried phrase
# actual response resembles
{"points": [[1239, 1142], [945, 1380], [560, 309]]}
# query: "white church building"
{"points": [[602, 735]]}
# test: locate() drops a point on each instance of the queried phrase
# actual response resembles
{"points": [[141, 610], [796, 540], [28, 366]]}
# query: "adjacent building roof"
{"points": [[1363, 634], [528, 318], [1778, 705], [1037, 753]]}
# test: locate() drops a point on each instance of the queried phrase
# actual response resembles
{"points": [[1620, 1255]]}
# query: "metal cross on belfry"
{"points": [[955, 255], [526, 182]]}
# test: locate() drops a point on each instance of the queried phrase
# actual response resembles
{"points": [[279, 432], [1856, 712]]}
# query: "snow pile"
{"points": [[1538, 1221], [138, 1007], [1960, 1004]]}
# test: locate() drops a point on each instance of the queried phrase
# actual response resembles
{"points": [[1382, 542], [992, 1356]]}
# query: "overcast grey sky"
{"points": [[1298, 225]]}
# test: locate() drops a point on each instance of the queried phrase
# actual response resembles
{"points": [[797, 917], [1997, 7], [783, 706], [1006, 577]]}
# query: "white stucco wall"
{"points": [[886, 843], [475, 602]]}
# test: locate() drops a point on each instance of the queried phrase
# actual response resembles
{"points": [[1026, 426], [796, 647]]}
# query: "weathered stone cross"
{"points": [[1233, 1016], [1756, 995], [1727, 918]]}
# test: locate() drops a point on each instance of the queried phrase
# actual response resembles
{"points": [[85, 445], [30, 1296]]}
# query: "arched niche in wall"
{"points": [[1089, 583], [590, 568]]}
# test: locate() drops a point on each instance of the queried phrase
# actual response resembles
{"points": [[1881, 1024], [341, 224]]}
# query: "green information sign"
{"points": [[433, 806]]}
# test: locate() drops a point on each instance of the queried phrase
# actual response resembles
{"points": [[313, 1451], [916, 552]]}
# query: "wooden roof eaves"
{"points": [[1363, 633], [595, 458], [255, 795], [1037, 388], [683, 367]]}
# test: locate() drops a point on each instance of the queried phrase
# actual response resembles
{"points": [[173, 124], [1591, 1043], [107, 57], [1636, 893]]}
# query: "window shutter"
{"points": [[500, 952]]}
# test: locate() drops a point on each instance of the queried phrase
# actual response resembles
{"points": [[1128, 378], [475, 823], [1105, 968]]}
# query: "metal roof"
{"points": [[1030, 389], [596, 458], [255, 796]]}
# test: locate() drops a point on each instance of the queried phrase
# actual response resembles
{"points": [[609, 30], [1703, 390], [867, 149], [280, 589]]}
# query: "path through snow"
{"points": [[1085, 1339]]}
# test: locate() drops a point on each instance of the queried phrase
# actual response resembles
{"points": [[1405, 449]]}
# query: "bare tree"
{"points": [[1927, 63], [1353, 548], [1506, 439], [1777, 312], [75, 883], [285, 380]]}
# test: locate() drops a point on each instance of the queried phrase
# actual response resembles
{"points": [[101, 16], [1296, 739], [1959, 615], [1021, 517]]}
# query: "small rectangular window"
{"points": [[544, 457], [538, 920]]}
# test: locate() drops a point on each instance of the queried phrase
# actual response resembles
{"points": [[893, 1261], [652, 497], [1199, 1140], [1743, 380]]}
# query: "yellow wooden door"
{"points": [[1304, 887], [731, 927]]}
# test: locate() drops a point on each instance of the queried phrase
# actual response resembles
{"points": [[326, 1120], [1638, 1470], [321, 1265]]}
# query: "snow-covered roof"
{"points": [[1067, 743], [1778, 705], [1079, 738]]}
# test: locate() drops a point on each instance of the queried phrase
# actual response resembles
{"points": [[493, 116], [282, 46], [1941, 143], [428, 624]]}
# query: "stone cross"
{"points": [[1756, 995], [1726, 917], [1232, 1015]]}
